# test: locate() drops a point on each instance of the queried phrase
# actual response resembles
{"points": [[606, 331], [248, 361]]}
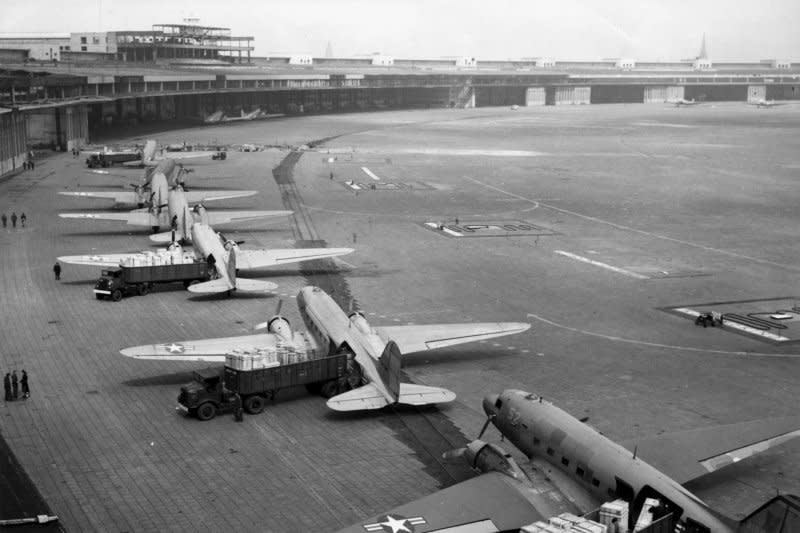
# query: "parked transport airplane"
{"points": [[766, 103], [170, 208], [375, 353], [681, 102], [574, 468], [226, 257]]}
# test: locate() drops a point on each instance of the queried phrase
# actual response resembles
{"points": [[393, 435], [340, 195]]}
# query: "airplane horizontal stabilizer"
{"points": [[215, 286], [164, 237], [203, 349], [133, 218], [688, 455], [411, 394], [490, 502], [213, 218], [254, 285], [418, 338], [121, 197], [360, 399], [248, 259], [193, 197]]}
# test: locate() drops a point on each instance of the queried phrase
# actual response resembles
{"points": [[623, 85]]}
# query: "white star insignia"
{"points": [[174, 348], [396, 525]]}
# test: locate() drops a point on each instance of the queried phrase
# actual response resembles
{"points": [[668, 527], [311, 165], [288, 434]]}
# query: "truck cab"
{"points": [[206, 395], [110, 284]]}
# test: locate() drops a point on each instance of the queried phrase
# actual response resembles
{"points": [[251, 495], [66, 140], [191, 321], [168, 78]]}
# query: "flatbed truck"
{"points": [[114, 283], [110, 159], [214, 391]]}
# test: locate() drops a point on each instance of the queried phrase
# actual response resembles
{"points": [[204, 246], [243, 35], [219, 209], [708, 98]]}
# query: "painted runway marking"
{"points": [[732, 324], [601, 265], [371, 174], [640, 231], [614, 338]]}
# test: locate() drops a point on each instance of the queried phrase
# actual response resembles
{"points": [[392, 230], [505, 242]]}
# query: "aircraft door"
{"points": [[666, 507]]}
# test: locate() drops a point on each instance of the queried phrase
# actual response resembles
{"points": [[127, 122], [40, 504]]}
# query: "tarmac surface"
{"points": [[622, 212]]}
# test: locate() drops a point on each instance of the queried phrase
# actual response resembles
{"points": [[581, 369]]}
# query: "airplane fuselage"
{"points": [[329, 324], [601, 467]]}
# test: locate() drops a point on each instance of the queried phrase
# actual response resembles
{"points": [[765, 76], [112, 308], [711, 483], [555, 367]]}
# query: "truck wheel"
{"points": [[329, 389], [140, 290], [116, 295], [254, 404], [145, 289], [206, 411]]}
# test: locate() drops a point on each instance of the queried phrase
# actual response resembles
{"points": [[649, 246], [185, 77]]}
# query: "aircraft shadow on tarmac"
{"points": [[234, 294], [176, 378]]}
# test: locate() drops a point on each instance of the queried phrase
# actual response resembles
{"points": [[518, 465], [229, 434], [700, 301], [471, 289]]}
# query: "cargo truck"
{"points": [[110, 159], [124, 280], [214, 391]]}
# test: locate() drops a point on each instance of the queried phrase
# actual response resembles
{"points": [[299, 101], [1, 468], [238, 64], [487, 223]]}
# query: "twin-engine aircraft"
{"points": [[682, 102], [169, 207], [226, 258], [762, 102], [376, 353], [574, 468]]}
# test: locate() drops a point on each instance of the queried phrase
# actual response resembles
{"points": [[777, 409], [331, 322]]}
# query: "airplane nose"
{"points": [[489, 402]]}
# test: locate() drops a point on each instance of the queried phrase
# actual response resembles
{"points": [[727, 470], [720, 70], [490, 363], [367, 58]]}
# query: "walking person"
{"points": [[14, 384], [57, 270], [13, 219], [4, 218], [22, 219], [7, 387], [26, 391]]}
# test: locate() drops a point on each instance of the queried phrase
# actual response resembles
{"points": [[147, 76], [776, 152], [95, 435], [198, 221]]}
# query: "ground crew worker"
{"points": [[26, 391], [331, 174], [57, 270], [22, 219], [7, 387], [13, 219], [4, 219], [14, 384], [238, 411]]}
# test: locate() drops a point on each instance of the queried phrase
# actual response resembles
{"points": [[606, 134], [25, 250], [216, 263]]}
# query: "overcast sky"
{"points": [[496, 29]]}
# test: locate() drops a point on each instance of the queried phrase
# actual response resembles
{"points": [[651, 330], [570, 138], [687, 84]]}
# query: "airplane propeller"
{"points": [[264, 325], [477, 444]]}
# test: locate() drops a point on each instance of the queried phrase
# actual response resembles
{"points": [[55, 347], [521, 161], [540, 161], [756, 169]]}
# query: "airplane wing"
{"points": [[369, 397], [121, 197], [104, 260], [133, 218], [193, 197], [248, 259], [222, 217], [417, 338], [187, 155], [687, 455], [211, 350], [488, 503]]}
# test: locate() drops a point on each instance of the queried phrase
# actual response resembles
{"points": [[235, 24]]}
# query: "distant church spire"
{"points": [[703, 53], [329, 50]]}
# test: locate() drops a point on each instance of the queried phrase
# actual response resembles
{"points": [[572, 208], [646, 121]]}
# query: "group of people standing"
{"points": [[28, 164], [13, 218], [12, 383]]}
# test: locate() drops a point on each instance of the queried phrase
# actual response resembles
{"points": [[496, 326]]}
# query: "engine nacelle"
{"points": [[491, 458], [280, 327], [359, 321]]}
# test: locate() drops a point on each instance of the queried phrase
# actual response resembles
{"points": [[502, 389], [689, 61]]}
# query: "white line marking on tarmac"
{"points": [[614, 338], [601, 265], [371, 174], [640, 231], [736, 325]]}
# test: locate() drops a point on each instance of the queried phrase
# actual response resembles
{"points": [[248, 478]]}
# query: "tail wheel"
{"points": [[207, 411], [329, 389], [254, 404]]}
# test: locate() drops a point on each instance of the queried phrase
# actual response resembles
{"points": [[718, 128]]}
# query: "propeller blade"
{"points": [[278, 307], [456, 453], [238, 242], [485, 425]]}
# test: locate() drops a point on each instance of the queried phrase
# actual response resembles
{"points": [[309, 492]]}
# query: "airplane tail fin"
{"points": [[149, 151], [781, 514], [389, 365]]}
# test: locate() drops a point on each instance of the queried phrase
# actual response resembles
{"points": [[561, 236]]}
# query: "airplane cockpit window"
{"points": [[498, 403], [532, 397]]}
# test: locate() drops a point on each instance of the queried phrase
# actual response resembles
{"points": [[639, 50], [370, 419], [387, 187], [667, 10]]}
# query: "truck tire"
{"points": [[116, 295], [206, 411], [329, 389], [254, 404], [145, 289]]}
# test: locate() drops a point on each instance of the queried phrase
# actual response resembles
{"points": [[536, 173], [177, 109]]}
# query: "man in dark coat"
{"points": [[7, 387], [14, 384], [5, 219], [13, 219], [57, 270], [26, 391]]}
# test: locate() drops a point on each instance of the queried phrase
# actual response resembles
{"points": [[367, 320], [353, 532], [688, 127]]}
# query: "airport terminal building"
{"points": [[58, 91]]}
